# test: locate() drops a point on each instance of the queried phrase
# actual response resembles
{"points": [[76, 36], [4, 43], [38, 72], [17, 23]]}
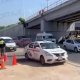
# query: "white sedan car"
{"points": [[72, 44], [45, 52]]}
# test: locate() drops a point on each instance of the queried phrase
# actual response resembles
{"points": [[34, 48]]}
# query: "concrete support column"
{"points": [[65, 26], [55, 27], [60, 26], [48, 26], [43, 25]]}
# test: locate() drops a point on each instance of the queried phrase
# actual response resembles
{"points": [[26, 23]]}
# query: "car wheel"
{"points": [[26, 56], [15, 49], [42, 60], [75, 49]]}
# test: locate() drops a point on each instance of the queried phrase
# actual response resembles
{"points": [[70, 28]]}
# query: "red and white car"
{"points": [[45, 52]]}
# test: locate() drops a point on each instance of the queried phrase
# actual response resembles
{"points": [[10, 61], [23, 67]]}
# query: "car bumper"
{"points": [[51, 60], [78, 49], [10, 48]]}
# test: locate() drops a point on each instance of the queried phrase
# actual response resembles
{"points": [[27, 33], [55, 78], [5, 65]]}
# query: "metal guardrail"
{"points": [[6, 28], [53, 5]]}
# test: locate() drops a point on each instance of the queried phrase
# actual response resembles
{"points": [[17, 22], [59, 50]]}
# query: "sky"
{"points": [[12, 10]]}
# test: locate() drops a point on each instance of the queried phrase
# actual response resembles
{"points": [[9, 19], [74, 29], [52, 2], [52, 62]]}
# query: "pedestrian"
{"points": [[2, 47]]}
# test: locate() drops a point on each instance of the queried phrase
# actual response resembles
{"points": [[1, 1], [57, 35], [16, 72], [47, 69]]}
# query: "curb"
{"points": [[73, 63]]}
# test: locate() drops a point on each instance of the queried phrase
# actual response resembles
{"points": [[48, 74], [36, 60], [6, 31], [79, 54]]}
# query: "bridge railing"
{"points": [[53, 5]]}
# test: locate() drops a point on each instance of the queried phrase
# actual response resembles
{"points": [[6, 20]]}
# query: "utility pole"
{"points": [[23, 8], [47, 4]]}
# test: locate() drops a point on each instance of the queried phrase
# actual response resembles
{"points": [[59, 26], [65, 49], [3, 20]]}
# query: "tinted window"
{"points": [[70, 41], [77, 28], [47, 37], [48, 45], [77, 41], [39, 38], [8, 41]]}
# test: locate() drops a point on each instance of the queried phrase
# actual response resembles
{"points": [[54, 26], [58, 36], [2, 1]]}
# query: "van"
{"points": [[45, 36], [10, 45]]}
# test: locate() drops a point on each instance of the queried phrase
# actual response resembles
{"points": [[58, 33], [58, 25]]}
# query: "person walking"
{"points": [[2, 47]]}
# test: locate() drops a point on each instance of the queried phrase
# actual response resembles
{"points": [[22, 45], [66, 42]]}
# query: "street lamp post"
{"points": [[47, 4], [23, 8]]}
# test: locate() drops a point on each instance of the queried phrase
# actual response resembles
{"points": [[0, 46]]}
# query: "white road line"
{"points": [[73, 63]]}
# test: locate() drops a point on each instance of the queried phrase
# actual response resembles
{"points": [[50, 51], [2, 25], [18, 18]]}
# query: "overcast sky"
{"points": [[11, 10]]}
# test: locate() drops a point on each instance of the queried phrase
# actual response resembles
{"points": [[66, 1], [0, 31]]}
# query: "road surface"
{"points": [[33, 70]]}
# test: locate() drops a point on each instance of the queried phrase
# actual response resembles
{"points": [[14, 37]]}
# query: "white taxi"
{"points": [[45, 52]]}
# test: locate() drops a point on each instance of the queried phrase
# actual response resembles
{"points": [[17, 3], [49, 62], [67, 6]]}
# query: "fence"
{"points": [[53, 5]]}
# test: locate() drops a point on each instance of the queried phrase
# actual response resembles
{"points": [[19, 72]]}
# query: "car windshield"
{"points": [[48, 45], [8, 40], [47, 37], [77, 41]]}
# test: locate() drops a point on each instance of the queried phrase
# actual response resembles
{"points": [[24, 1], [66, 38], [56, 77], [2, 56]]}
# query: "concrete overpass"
{"points": [[56, 20]]}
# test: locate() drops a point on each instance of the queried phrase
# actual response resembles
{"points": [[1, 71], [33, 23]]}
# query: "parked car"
{"points": [[45, 36], [16, 40], [9, 43], [23, 42], [45, 52], [72, 44]]}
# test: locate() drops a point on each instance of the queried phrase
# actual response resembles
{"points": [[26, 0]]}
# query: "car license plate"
{"points": [[11, 48], [60, 58]]}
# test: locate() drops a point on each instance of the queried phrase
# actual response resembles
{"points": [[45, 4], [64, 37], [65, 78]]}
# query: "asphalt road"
{"points": [[72, 56], [33, 70]]}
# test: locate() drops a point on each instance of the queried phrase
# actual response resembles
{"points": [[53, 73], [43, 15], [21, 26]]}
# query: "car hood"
{"points": [[56, 50]]}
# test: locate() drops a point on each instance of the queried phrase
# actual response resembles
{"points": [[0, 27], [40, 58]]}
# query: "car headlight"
{"points": [[66, 54], [47, 54]]}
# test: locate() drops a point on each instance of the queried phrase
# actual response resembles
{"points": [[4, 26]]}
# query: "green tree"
{"points": [[22, 21]]}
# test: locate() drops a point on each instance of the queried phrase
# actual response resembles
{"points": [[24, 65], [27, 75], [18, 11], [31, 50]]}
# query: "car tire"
{"points": [[15, 49], [26, 56], [75, 49], [42, 60]]}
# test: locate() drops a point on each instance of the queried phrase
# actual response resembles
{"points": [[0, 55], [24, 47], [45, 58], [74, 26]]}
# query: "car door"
{"points": [[30, 51], [67, 44], [70, 44], [36, 51]]}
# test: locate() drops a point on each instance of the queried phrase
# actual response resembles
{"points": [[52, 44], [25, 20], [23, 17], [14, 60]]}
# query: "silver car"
{"points": [[72, 44]]}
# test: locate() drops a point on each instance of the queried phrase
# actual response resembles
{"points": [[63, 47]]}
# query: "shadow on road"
{"points": [[34, 63]]}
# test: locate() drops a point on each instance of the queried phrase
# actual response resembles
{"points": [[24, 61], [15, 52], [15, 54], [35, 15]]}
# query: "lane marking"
{"points": [[73, 63]]}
